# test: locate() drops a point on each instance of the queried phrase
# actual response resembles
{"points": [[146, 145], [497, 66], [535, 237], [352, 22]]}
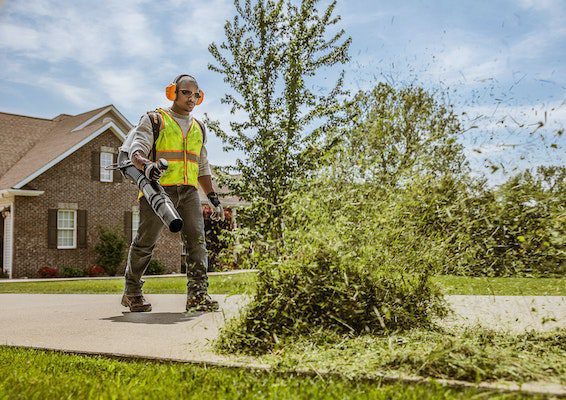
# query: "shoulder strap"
{"points": [[156, 121], [202, 128]]}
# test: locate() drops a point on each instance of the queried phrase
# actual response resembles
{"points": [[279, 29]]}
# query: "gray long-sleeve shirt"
{"points": [[141, 138]]}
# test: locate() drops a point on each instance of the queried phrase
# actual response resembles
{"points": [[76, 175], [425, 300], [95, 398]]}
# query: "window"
{"points": [[135, 222], [105, 160], [66, 229]]}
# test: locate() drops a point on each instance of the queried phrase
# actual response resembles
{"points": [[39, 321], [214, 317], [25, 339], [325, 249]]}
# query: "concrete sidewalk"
{"points": [[98, 323], [508, 313]]}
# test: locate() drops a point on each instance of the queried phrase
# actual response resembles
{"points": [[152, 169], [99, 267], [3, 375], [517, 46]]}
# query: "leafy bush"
{"points": [[516, 229], [110, 250], [155, 267], [4, 274], [70, 272], [95, 270], [48, 272]]}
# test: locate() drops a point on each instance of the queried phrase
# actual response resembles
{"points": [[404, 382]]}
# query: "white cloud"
{"points": [[17, 37], [77, 95], [85, 33], [83, 39], [128, 89], [202, 24]]}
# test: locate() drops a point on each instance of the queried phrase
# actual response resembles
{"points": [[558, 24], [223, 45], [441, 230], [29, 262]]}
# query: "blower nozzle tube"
{"points": [[154, 193]]}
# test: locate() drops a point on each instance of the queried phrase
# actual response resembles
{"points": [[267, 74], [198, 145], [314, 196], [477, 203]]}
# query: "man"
{"points": [[181, 141]]}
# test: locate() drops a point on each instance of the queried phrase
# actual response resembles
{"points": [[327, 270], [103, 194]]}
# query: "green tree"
{"points": [[271, 50], [394, 134]]}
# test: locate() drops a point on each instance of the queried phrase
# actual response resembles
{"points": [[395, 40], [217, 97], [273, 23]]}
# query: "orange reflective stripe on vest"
{"points": [[177, 156]]}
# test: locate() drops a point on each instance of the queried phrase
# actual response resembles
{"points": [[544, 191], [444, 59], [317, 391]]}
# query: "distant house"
{"points": [[55, 191]]}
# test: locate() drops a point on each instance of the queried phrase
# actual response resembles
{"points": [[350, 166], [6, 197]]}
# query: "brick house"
{"points": [[55, 192]]}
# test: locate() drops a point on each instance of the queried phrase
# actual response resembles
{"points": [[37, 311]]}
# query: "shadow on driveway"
{"points": [[163, 318]]}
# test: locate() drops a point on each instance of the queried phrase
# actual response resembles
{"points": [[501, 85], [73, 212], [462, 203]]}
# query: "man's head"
{"points": [[187, 95]]}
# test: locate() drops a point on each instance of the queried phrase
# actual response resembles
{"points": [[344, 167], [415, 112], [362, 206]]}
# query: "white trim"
{"points": [[74, 245], [103, 169], [135, 214], [100, 114], [9, 193], [8, 245], [111, 125]]}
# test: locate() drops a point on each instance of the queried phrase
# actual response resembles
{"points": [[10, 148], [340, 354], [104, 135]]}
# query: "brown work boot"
{"points": [[201, 302], [136, 302]]}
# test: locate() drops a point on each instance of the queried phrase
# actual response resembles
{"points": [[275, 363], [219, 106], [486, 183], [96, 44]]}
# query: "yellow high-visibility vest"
{"points": [[182, 153]]}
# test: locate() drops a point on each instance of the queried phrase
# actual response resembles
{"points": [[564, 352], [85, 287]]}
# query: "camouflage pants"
{"points": [[187, 202]]}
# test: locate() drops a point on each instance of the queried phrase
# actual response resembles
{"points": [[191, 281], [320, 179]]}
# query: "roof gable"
{"points": [[37, 146], [18, 134]]}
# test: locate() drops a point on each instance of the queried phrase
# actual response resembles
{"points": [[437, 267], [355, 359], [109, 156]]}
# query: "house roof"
{"points": [[29, 145]]}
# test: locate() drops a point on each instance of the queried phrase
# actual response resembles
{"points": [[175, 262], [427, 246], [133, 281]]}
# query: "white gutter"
{"points": [[5, 193]]}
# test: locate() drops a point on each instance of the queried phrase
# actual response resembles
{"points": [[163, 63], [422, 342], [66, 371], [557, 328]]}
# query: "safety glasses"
{"points": [[188, 93]]}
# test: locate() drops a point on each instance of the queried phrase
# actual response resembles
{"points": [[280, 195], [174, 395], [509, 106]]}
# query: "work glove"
{"points": [[217, 209], [153, 171]]}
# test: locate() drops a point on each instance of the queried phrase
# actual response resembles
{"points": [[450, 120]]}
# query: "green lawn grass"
{"points": [[36, 374], [243, 283], [218, 284], [502, 286]]}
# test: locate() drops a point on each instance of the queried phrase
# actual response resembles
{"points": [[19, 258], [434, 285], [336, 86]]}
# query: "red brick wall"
{"points": [[70, 182]]}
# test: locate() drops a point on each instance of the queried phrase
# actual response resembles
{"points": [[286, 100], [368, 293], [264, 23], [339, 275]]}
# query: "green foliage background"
{"points": [[355, 202]]}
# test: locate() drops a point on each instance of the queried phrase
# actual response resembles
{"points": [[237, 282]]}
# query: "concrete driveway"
{"points": [[98, 323]]}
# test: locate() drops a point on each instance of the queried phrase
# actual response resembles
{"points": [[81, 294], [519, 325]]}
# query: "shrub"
{"points": [[515, 229], [95, 270], [48, 272], [155, 267], [4, 274], [110, 249], [70, 272]]}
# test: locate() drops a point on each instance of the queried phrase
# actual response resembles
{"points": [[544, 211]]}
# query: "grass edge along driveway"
{"points": [[243, 284]]}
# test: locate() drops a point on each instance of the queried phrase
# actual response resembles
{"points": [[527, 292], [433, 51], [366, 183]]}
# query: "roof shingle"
{"points": [[28, 143]]}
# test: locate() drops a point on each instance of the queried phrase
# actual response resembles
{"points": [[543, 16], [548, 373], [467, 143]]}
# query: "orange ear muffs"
{"points": [[201, 98], [171, 91]]}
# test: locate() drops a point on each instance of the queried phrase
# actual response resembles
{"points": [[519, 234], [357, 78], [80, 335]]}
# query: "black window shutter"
{"points": [[95, 166], [128, 225], [52, 229], [117, 174], [81, 229]]}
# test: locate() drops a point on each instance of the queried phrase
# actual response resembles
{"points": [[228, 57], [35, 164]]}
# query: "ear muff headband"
{"points": [[171, 90]]}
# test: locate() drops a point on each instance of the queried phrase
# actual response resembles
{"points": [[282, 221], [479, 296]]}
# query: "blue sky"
{"points": [[502, 61]]}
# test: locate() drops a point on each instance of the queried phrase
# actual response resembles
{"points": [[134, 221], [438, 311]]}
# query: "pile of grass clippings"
{"points": [[471, 354], [318, 292]]}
